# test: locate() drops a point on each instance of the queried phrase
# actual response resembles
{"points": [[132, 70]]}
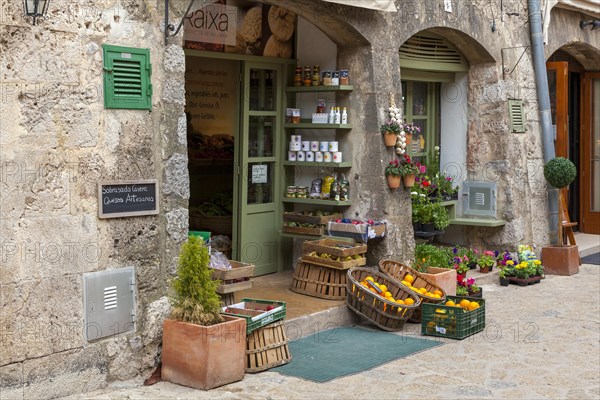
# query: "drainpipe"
{"points": [[541, 83]]}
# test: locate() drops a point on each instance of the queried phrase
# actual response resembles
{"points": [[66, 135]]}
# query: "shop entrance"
{"points": [[572, 102], [234, 122]]}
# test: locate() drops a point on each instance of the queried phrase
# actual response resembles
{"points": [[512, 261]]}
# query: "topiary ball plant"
{"points": [[195, 299], [560, 172]]}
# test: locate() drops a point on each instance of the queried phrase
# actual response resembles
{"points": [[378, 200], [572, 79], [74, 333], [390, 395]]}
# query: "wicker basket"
{"points": [[319, 281], [379, 311], [398, 271]]}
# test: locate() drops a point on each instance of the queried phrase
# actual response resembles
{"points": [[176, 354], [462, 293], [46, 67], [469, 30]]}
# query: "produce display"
{"points": [[326, 256], [220, 205], [381, 290], [408, 282], [219, 147], [458, 318]]}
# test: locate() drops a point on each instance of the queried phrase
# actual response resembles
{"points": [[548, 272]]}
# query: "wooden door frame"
{"points": [[588, 225], [562, 103]]}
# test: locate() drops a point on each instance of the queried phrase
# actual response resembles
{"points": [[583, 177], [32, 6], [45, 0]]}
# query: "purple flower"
{"points": [[496, 253], [455, 250]]}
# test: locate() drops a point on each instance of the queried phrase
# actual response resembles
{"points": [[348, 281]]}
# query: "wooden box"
{"points": [[235, 279], [319, 281], [267, 347]]}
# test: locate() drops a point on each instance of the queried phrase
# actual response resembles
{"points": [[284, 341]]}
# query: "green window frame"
{"points": [[421, 106], [127, 72]]}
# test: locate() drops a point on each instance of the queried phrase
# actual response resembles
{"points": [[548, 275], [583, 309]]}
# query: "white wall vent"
{"points": [[109, 302], [479, 199]]}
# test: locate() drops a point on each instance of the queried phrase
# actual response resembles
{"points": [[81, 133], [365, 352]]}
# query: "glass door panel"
{"points": [[260, 141], [590, 154], [259, 183]]}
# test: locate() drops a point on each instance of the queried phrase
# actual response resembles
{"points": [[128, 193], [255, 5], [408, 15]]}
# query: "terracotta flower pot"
{"points": [[408, 138], [560, 260], [390, 139], [484, 270], [444, 278], [393, 181], [409, 180], [204, 357]]}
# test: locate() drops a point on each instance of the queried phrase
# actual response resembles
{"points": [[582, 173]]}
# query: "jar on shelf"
{"points": [[307, 76], [302, 192], [316, 76], [298, 76]]}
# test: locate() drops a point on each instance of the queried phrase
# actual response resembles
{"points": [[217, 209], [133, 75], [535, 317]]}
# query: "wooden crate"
{"points": [[310, 219], [300, 230], [230, 279], [338, 248], [266, 348], [319, 281], [334, 264]]}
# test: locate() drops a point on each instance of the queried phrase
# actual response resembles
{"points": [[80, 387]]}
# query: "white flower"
{"points": [[437, 148], [413, 193]]}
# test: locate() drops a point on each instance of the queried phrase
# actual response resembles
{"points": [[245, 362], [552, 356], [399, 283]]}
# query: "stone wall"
{"points": [[56, 143]]}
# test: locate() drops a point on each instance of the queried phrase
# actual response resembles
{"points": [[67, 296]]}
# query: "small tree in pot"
{"points": [[561, 259], [201, 348]]}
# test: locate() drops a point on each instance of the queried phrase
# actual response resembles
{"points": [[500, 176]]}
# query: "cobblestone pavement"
{"points": [[540, 341]]}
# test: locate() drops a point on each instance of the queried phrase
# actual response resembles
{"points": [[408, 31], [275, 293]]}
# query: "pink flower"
{"points": [[470, 281], [488, 253]]}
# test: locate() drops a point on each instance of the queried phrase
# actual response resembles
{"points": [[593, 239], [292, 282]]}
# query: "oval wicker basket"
{"points": [[379, 311], [397, 271]]}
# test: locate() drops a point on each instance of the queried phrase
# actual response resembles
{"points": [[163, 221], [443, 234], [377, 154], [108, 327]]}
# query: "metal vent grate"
{"points": [[479, 199], [516, 115], [110, 298]]}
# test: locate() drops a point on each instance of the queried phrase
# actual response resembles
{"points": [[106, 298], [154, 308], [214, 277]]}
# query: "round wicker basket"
{"points": [[397, 271], [385, 314]]}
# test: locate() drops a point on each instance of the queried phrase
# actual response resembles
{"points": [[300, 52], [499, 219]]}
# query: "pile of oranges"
{"points": [[464, 304], [408, 282], [371, 285]]}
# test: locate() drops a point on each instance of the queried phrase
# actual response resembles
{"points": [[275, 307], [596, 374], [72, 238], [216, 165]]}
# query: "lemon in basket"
{"points": [[409, 302], [409, 278], [369, 278], [464, 303], [450, 303], [406, 283], [473, 306], [438, 292], [383, 288]]}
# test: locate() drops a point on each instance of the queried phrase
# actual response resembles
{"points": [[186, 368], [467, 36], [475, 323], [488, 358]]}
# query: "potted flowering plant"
{"points": [[392, 130], [468, 287], [392, 172], [461, 267], [408, 170], [486, 261], [409, 129]]}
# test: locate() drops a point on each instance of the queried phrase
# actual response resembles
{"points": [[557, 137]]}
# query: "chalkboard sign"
{"points": [[127, 198]]}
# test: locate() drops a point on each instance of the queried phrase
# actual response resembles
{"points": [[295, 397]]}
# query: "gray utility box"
{"points": [[109, 302]]}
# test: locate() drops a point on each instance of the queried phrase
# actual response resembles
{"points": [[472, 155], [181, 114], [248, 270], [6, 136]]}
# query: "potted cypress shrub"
{"points": [[560, 259], [201, 348]]}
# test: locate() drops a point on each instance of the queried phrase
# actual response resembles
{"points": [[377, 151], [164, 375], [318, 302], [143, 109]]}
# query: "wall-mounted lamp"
{"points": [[36, 8], [595, 24], [170, 27]]}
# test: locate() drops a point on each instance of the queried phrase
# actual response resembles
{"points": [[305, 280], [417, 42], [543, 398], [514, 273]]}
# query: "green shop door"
{"points": [[258, 222]]}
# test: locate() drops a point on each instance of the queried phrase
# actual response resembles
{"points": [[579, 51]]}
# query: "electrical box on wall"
{"points": [[479, 199], [109, 302]]}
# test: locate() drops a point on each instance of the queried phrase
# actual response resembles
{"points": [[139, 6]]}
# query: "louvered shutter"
{"points": [[127, 73], [516, 115], [430, 52]]}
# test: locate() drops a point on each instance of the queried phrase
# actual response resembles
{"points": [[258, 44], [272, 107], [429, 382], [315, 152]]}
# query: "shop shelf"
{"points": [[306, 124], [345, 164], [309, 89], [320, 202]]}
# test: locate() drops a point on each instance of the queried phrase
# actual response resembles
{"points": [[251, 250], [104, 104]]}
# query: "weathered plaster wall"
{"points": [[56, 143]]}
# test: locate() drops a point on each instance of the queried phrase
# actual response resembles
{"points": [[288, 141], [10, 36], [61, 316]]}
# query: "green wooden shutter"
{"points": [[516, 115], [127, 73]]}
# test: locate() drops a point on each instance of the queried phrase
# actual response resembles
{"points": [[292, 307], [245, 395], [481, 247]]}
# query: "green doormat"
{"points": [[331, 354]]}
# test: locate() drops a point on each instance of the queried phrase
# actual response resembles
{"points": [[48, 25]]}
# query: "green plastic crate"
{"points": [[255, 319], [204, 235], [452, 322]]}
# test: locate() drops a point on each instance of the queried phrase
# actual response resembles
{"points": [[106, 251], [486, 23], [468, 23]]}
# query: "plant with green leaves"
{"points": [[427, 255], [195, 299], [560, 172], [441, 218]]}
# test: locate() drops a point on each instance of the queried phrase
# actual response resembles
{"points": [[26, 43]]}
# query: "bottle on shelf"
{"points": [[338, 116], [344, 116], [331, 116]]}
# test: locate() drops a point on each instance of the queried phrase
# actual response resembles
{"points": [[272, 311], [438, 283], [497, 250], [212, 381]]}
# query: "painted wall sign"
{"points": [[127, 198], [244, 28], [212, 23]]}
